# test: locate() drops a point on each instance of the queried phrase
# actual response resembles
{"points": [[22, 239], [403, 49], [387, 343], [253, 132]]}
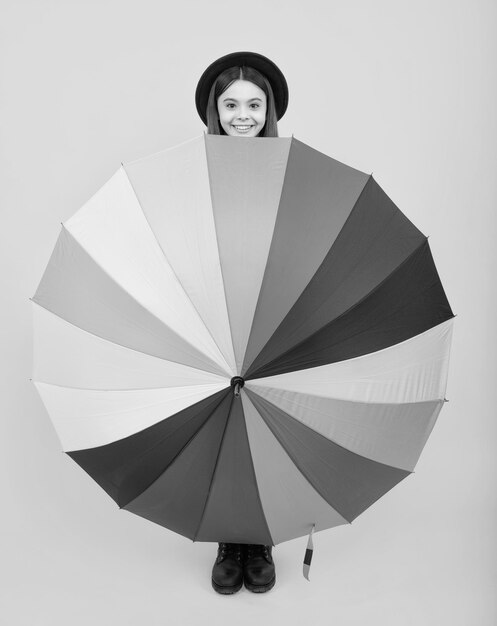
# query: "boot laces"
{"points": [[229, 549], [254, 550]]}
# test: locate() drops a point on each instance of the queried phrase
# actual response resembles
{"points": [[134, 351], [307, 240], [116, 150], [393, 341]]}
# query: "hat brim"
{"points": [[238, 59]]}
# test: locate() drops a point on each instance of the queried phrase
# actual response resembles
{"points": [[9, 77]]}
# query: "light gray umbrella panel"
{"points": [[242, 340]]}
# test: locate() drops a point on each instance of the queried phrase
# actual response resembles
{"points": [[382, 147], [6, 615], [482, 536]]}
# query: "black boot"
{"points": [[227, 573], [258, 568]]}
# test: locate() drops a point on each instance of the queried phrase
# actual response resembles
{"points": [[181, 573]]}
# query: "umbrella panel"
{"points": [[177, 498], [234, 512], [407, 303], [317, 197], [349, 482], [125, 468], [291, 504]]}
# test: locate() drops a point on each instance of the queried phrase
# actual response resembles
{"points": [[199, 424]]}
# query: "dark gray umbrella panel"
{"points": [[259, 260]]}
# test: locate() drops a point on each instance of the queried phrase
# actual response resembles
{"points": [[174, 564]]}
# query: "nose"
{"points": [[243, 115]]}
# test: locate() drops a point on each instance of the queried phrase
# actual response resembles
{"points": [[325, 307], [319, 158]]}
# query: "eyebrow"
{"points": [[235, 100]]}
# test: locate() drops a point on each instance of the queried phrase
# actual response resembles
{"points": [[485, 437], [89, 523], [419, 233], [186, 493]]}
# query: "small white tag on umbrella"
{"points": [[308, 554]]}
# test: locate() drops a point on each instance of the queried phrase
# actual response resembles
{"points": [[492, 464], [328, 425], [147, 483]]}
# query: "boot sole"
{"points": [[226, 591], [260, 588]]}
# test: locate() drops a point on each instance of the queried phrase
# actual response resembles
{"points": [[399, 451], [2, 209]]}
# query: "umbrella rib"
{"points": [[160, 152], [337, 399], [209, 176], [254, 476], [213, 472], [122, 345], [120, 389], [175, 274], [264, 274]]}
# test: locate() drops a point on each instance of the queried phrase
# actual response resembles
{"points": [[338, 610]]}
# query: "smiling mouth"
{"points": [[242, 129]]}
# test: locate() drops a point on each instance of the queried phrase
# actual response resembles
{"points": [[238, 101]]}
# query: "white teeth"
{"points": [[243, 127]]}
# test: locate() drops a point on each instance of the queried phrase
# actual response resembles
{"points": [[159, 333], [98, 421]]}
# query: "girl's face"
{"points": [[242, 109]]}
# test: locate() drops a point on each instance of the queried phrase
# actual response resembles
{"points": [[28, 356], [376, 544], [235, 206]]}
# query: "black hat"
{"points": [[238, 59]]}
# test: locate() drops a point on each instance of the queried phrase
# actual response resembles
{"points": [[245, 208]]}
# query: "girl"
{"points": [[242, 94]]}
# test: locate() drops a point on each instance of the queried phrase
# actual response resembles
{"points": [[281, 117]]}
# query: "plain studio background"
{"points": [[404, 89]]}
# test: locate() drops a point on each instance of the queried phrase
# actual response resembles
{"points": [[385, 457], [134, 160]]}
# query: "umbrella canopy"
{"points": [[242, 340]]}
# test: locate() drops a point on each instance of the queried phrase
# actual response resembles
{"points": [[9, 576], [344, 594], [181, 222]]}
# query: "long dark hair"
{"points": [[223, 81]]}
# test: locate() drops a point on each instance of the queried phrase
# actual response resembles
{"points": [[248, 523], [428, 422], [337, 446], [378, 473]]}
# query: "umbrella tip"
{"points": [[237, 383]]}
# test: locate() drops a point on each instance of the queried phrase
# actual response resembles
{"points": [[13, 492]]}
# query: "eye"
{"points": [[255, 105], [230, 105]]}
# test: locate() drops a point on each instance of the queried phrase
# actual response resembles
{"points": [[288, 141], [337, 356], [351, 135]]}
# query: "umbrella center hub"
{"points": [[237, 383]]}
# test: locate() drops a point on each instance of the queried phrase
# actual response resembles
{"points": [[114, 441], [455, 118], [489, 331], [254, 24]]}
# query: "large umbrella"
{"points": [[242, 340]]}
